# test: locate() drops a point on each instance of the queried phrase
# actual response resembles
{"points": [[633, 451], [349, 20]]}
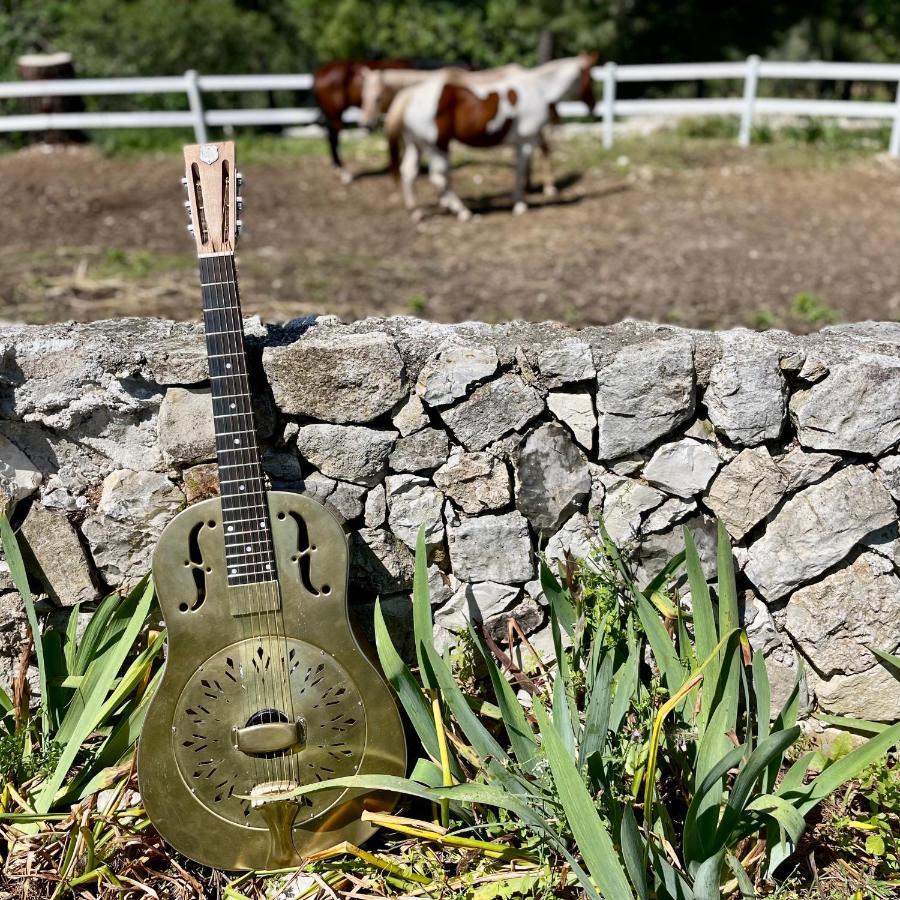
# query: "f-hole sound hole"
{"points": [[198, 570], [264, 717], [303, 556]]}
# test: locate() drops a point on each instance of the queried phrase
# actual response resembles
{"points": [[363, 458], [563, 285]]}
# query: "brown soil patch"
{"points": [[711, 236]]}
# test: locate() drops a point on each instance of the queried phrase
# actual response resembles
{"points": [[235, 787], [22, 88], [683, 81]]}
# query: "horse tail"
{"points": [[393, 127]]}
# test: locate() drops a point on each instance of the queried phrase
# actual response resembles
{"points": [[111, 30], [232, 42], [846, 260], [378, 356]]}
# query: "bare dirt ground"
{"points": [[697, 233]]}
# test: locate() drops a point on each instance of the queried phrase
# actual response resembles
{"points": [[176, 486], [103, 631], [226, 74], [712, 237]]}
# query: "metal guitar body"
{"points": [[257, 699]]}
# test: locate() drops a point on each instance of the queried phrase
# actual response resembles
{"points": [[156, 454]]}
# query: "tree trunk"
{"points": [[51, 67]]}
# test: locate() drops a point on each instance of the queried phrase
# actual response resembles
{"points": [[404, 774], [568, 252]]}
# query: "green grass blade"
{"points": [[705, 635], [521, 737], [559, 599], [95, 698], [661, 644], [857, 726], [763, 697], [626, 682], [587, 827], [19, 576], [597, 715], [708, 877], [423, 624], [745, 885], [633, 853], [889, 660], [841, 771], [405, 685], [772, 748]]}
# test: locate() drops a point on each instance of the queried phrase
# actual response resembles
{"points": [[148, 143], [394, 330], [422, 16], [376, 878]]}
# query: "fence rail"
{"points": [[748, 106]]}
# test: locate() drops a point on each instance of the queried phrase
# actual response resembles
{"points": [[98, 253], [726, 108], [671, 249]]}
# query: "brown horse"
{"points": [[337, 86]]}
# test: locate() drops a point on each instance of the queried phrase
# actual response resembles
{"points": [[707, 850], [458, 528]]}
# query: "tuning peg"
{"points": [[184, 181], [239, 178], [190, 229], [187, 205], [239, 200], [238, 225]]}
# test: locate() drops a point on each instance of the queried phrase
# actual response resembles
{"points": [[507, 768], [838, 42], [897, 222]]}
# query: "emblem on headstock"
{"points": [[209, 153]]}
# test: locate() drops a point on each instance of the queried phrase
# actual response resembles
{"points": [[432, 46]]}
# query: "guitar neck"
{"points": [[245, 513]]}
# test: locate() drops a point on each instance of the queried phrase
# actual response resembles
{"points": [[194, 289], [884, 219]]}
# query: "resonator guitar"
{"points": [[266, 687]]}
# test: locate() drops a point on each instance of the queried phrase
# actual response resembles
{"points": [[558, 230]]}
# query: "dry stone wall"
{"points": [[502, 441]]}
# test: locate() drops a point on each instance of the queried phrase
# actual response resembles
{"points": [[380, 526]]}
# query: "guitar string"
{"points": [[271, 681], [231, 340], [218, 306], [277, 675]]}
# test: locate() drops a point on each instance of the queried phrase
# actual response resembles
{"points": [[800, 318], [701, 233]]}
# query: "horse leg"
{"points": [[409, 169], [439, 173], [334, 129], [547, 168], [523, 160]]}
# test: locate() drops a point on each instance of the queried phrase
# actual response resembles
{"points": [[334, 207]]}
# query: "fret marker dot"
{"points": [[233, 405], [243, 487], [262, 524], [234, 571], [268, 566], [237, 440], [231, 527], [248, 549], [227, 365]]}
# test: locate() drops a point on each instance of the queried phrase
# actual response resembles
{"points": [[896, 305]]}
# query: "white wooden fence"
{"points": [[748, 106]]}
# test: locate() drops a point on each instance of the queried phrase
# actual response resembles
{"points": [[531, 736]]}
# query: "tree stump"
{"points": [[51, 67]]}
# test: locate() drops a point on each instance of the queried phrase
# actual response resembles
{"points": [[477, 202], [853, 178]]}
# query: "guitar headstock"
{"points": [[212, 183]]}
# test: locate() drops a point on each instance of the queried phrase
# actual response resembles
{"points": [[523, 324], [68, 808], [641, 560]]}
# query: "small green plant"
{"points": [[811, 309], [657, 781], [417, 304], [80, 740]]}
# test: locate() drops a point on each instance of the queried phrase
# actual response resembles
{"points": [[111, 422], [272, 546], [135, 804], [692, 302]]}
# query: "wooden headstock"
{"points": [[212, 183]]}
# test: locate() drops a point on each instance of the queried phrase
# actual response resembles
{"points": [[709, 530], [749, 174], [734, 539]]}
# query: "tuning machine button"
{"points": [[190, 229], [239, 178], [238, 226]]}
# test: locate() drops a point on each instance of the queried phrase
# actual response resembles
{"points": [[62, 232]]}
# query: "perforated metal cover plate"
{"points": [[239, 681]]}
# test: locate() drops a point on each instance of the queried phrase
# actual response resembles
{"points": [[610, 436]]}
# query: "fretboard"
{"points": [[245, 512]]}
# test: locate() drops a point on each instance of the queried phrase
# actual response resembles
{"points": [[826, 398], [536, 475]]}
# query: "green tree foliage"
{"points": [[143, 37]]}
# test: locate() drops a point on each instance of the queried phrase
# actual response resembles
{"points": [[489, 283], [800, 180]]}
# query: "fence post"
{"points": [[750, 82], [609, 104], [195, 100], [894, 148]]}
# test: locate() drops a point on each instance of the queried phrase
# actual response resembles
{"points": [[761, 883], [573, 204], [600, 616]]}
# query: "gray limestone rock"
{"points": [[447, 375], [552, 477], [579, 537], [347, 452], [492, 411], [63, 563], [747, 393], [186, 433], [376, 507], [644, 392], [856, 408], [411, 416], [476, 482], [566, 362], [889, 472], [655, 550], [476, 603], [664, 517], [19, 478], [624, 506], [421, 451], [412, 503], [871, 695], [683, 468], [380, 562], [575, 409], [134, 508], [337, 377], [834, 619], [492, 548], [754, 483], [817, 528]]}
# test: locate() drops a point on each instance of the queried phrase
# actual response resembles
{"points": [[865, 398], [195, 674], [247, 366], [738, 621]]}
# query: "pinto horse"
{"points": [[337, 86], [381, 86], [512, 110]]}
